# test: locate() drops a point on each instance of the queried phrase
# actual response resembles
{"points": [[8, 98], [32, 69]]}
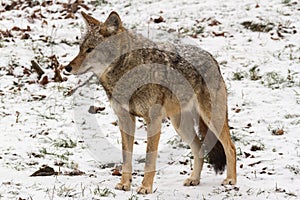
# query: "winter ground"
{"points": [[40, 124]]}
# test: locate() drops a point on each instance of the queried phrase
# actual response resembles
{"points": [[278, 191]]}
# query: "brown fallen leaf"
{"points": [[38, 97], [44, 80], [75, 172], [249, 125], [25, 36], [11, 6], [214, 23], [171, 30], [247, 155], [273, 38], [116, 172], [6, 33], [159, 20], [278, 132], [183, 172], [70, 16], [27, 71], [47, 3], [115, 123], [221, 34], [56, 66], [95, 109], [184, 162], [256, 148], [237, 110], [45, 170], [16, 28]]}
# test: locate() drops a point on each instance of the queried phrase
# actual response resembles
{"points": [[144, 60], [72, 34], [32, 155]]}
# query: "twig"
{"points": [[37, 68], [73, 90], [255, 163]]}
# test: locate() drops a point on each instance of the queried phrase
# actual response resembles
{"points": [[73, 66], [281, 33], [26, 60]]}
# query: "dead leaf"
{"points": [[38, 97], [11, 6], [56, 66], [115, 123], [214, 23], [273, 38], [278, 132], [70, 16], [6, 33], [237, 110], [171, 30], [256, 148], [75, 172], [95, 109], [25, 36], [247, 154], [159, 20], [249, 125], [17, 116], [183, 172], [16, 28], [107, 165], [44, 80], [45, 170], [221, 34], [184, 162], [116, 172]]}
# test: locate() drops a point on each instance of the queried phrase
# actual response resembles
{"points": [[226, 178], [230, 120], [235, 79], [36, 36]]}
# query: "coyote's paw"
{"points": [[144, 190], [121, 186], [191, 182], [229, 181]]}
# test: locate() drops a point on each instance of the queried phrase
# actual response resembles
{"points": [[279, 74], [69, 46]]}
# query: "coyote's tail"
{"points": [[216, 153]]}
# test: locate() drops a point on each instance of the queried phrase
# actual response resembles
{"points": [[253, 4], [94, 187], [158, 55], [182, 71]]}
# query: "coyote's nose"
{"points": [[68, 68]]}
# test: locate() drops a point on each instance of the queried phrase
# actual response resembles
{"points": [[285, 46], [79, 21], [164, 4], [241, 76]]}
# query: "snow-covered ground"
{"points": [[257, 44]]}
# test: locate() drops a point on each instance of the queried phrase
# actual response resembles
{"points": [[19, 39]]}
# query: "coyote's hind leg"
{"points": [[230, 152], [184, 126]]}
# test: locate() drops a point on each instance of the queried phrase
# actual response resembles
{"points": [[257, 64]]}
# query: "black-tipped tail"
{"points": [[217, 158], [216, 153]]}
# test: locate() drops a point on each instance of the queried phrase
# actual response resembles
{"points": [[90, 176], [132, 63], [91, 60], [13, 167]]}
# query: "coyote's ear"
{"points": [[113, 23], [91, 22]]}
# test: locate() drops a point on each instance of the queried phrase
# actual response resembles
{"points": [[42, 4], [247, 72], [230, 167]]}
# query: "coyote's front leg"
{"points": [[153, 136], [150, 165], [127, 128]]}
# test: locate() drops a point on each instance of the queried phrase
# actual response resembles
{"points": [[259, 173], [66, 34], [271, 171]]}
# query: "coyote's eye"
{"points": [[89, 50]]}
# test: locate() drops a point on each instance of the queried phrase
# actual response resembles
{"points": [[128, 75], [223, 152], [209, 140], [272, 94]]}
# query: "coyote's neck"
{"points": [[128, 51]]}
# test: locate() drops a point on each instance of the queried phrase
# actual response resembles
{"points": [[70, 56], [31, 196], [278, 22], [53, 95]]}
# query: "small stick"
{"points": [[73, 90], [37, 68]]}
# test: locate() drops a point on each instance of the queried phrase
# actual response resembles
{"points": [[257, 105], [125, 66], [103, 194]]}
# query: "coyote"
{"points": [[155, 81]]}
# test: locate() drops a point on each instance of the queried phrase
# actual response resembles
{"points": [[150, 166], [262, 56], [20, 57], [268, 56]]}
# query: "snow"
{"points": [[36, 119]]}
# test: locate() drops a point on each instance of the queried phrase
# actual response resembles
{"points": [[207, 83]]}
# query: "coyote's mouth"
{"points": [[65, 72]]}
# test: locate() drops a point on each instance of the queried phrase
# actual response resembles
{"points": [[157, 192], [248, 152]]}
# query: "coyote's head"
{"points": [[93, 56]]}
